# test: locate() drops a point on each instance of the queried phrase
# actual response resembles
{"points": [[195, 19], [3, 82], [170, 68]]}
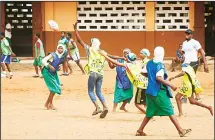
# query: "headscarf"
{"points": [[127, 50], [131, 57], [63, 53], [158, 54], [95, 43], [145, 52]]}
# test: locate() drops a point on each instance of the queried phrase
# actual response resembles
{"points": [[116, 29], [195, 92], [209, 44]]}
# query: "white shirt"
{"points": [[8, 34], [190, 49]]}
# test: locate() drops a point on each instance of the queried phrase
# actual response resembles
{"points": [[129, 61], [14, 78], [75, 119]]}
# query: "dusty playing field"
{"points": [[24, 117]]}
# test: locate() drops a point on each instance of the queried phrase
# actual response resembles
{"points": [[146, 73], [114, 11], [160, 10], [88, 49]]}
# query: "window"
{"points": [[172, 16], [111, 16]]}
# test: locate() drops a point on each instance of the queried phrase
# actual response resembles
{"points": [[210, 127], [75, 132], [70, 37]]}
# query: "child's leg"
{"points": [[3, 67], [99, 92], [70, 67], [51, 106], [91, 85], [123, 106], [48, 100], [142, 126], [182, 132], [80, 66], [114, 106], [8, 67], [140, 108], [36, 70], [179, 104], [100, 96], [194, 102]]}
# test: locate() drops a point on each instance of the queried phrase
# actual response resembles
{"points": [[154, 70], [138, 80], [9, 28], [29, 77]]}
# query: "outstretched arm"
{"points": [[115, 57], [78, 36], [111, 65], [179, 75], [167, 83], [111, 60]]}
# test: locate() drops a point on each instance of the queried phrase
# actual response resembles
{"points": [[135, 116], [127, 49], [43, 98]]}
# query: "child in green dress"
{"points": [[158, 93], [51, 64]]}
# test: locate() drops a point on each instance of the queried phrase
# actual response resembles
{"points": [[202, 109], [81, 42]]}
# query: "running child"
{"points": [[190, 85], [51, 64], [74, 52], [123, 87], [39, 54], [158, 93], [95, 69], [6, 56], [140, 97]]}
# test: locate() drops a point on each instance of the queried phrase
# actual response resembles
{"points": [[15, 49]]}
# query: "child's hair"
{"points": [[69, 34], [38, 35]]}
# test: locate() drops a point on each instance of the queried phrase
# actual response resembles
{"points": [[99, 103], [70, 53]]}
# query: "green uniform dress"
{"points": [[120, 94]]}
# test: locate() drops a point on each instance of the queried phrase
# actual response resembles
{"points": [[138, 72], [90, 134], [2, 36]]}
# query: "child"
{"points": [[49, 72], [39, 55], [75, 56], [123, 87], [6, 56], [158, 93], [179, 58], [95, 69], [65, 42], [190, 84], [140, 97]]}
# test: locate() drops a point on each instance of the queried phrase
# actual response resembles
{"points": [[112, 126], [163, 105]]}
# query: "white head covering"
{"points": [[95, 43], [158, 54], [64, 50], [127, 50], [145, 52]]}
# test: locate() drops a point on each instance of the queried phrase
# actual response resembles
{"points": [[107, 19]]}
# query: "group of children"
{"points": [[153, 88]]}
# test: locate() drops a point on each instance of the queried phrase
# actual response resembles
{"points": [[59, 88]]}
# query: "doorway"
{"points": [[210, 28], [19, 15]]}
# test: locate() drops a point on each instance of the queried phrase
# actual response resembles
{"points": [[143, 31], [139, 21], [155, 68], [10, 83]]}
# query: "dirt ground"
{"points": [[24, 117]]}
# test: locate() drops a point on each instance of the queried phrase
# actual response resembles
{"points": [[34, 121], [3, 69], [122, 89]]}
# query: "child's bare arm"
{"points": [[112, 60], [167, 83], [111, 65], [115, 57], [78, 36], [179, 75]]}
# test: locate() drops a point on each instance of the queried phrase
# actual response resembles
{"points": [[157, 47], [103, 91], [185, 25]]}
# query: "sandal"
{"points": [[138, 133], [104, 113], [184, 132], [97, 111]]}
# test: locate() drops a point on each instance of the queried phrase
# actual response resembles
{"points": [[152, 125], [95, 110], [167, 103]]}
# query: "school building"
{"points": [[118, 25]]}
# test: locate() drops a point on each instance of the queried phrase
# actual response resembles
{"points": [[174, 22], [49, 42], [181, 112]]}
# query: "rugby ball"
{"points": [[53, 25]]}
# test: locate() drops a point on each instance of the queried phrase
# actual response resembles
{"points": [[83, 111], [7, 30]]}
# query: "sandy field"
{"points": [[23, 115]]}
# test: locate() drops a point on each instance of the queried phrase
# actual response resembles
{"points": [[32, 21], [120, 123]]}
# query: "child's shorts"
{"points": [[140, 97], [6, 59]]}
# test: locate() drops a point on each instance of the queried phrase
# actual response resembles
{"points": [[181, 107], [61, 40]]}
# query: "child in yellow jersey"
{"points": [[140, 97], [190, 85]]}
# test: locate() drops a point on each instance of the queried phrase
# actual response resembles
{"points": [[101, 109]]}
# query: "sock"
{"points": [[4, 72]]}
